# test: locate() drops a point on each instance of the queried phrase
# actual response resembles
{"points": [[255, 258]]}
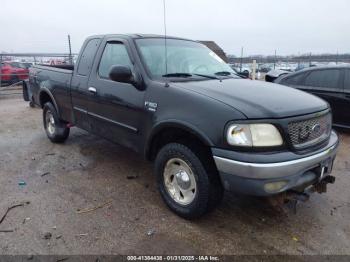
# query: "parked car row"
{"points": [[14, 72], [246, 72]]}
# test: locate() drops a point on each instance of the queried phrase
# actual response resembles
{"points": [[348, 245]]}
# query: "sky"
{"points": [[288, 26]]}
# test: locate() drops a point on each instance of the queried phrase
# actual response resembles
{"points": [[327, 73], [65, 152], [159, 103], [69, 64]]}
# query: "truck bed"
{"points": [[58, 68], [67, 67], [57, 79]]}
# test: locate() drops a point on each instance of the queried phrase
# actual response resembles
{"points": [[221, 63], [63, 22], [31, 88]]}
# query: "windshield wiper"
{"points": [[177, 75], [208, 76], [189, 75], [223, 73]]}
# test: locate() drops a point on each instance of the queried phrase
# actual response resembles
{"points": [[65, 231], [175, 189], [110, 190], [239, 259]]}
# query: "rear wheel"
{"points": [[56, 130], [188, 187]]}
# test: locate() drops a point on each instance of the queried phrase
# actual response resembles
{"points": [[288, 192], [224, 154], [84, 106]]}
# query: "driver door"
{"points": [[116, 108]]}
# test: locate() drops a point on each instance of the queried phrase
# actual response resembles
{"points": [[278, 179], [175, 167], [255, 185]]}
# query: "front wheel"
{"points": [[56, 130], [187, 186]]}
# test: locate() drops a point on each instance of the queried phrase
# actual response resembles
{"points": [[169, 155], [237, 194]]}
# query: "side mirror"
{"points": [[122, 74]]}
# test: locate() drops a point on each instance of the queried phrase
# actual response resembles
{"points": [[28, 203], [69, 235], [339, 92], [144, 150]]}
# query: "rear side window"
{"points": [[347, 80], [323, 78], [293, 80], [87, 57], [114, 54]]}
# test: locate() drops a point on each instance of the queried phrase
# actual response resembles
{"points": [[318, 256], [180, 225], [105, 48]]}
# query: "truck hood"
{"points": [[257, 99]]}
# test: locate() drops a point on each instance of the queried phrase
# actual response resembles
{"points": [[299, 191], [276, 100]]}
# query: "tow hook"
{"points": [[321, 187]]}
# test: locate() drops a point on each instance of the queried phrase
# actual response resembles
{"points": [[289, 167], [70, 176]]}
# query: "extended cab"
{"points": [[206, 129]]}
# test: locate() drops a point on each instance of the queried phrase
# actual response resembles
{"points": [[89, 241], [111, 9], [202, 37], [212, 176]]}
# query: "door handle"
{"points": [[92, 90]]}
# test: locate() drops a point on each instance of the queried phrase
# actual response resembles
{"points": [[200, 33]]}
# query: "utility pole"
{"points": [[70, 51], [274, 63], [240, 67]]}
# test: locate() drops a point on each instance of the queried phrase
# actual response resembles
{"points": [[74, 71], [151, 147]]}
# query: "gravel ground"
{"points": [[87, 171]]}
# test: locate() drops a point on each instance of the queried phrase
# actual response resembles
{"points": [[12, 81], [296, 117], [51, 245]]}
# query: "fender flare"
{"points": [[158, 127], [47, 91]]}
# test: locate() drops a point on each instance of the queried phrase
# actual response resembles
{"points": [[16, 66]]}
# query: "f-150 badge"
{"points": [[151, 106]]}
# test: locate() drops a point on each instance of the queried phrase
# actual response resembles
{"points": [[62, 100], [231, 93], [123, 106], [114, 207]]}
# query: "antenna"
{"points": [[70, 51], [165, 38]]}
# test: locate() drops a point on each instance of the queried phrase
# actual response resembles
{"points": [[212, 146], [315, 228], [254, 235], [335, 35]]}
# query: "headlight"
{"points": [[258, 135]]}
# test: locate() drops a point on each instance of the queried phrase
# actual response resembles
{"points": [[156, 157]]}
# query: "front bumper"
{"points": [[256, 173]]}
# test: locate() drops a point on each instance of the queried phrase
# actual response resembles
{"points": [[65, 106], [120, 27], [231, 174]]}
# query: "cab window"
{"points": [[115, 53], [87, 57]]}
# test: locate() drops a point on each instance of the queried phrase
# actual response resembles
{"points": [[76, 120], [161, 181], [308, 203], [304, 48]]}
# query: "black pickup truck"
{"points": [[177, 103]]}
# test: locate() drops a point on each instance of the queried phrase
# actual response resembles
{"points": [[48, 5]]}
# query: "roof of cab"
{"points": [[138, 36]]}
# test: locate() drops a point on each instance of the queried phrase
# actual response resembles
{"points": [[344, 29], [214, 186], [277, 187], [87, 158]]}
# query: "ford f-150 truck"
{"points": [[179, 105]]}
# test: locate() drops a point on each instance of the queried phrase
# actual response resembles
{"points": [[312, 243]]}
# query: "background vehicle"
{"points": [[243, 75], [27, 64], [264, 69], [205, 128], [13, 72], [273, 74], [332, 83]]}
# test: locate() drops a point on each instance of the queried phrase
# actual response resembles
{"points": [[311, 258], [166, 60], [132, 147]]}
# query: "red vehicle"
{"points": [[13, 72]]}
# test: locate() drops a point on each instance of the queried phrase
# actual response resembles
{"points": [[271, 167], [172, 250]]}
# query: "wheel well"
{"points": [[177, 135], [44, 98]]}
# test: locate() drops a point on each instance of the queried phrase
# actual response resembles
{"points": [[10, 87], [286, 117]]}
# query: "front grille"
{"points": [[310, 132]]}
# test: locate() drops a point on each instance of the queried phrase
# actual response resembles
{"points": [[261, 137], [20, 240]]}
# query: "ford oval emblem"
{"points": [[316, 128]]}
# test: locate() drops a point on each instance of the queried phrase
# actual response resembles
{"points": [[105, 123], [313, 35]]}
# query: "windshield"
{"points": [[17, 65], [184, 59]]}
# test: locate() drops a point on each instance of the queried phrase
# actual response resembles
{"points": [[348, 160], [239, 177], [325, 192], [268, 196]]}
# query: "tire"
{"points": [[56, 130], [207, 192], [25, 92]]}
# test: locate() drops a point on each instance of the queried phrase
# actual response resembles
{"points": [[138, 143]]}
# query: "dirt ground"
{"points": [[86, 172]]}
